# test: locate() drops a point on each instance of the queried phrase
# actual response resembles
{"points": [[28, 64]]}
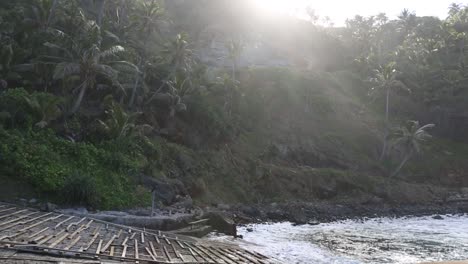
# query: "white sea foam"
{"points": [[381, 240]]}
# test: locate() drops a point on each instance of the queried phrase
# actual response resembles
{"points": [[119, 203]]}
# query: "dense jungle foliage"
{"points": [[94, 94]]}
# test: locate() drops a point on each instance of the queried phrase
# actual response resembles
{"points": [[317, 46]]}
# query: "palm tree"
{"points": [[94, 7], [454, 8], [87, 67], [178, 56], [386, 79], [407, 21], [121, 124], [85, 63], [234, 48], [410, 139], [145, 25], [45, 107], [231, 88], [40, 13]]}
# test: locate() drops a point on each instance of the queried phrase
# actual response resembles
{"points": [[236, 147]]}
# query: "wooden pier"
{"points": [[30, 231]]}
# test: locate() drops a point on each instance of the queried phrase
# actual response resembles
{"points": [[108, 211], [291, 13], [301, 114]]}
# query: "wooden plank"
{"points": [[14, 220], [167, 254], [57, 241], [199, 222], [34, 219], [125, 241], [245, 256], [217, 254], [43, 239], [106, 246], [81, 229], [255, 254], [151, 254], [42, 250], [8, 209], [180, 244], [13, 213], [89, 223], [136, 249], [78, 230], [167, 240], [73, 243], [64, 221], [38, 232], [176, 252], [166, 248], [41, 222], [208, 255], [228, 255], [124, 251], [98, 249], [21, 231], [196, 255], [75, 223], [39, 238], [90, 243], [153, 249]]}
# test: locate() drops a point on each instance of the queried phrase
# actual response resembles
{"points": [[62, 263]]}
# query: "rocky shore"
{"points": [[224, 218], [321, 212]]}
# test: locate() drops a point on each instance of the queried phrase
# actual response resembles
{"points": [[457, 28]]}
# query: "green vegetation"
{"points": [[94, 94]]}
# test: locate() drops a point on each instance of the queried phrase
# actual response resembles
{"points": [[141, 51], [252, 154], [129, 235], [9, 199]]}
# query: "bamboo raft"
{"points": [[31, 231]]}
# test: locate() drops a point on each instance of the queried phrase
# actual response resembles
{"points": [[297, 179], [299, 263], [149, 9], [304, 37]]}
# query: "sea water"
{"points": [[379, 240]]}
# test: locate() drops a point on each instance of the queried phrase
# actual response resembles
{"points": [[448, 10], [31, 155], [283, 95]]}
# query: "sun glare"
{"points": [[289, 7]]}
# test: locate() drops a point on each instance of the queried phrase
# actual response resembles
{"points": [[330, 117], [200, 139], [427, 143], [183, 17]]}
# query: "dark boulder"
{"points": [[251, 211], [313, 222], [49, 207], [221, 223], [167, 191], [277, 215]]}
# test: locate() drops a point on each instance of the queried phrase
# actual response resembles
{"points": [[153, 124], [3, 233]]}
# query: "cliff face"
{"points": [[308, 136]]}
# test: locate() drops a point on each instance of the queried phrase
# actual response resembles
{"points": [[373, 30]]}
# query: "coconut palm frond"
{"points": [[58, 47], [66, 69], [106, 71], [125, 65], [111, 51], [410, 140]]}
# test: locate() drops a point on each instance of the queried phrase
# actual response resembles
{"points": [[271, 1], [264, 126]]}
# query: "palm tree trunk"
{"points": [[78, 101], [387, 103], [403, 162], [233, 70], [462, 53], [100, 12], [51, 13], [153, 201], [134, 92]]}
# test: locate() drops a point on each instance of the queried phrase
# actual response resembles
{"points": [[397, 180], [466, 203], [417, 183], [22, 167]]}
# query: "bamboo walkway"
{"points": [[32, 231]]}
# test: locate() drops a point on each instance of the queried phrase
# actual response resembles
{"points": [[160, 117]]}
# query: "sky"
{"points": [[340, 10]]}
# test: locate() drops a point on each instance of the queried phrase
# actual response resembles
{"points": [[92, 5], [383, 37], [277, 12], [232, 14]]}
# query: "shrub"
{"points": [[79, 189], [83, 173], [13, 106]]}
